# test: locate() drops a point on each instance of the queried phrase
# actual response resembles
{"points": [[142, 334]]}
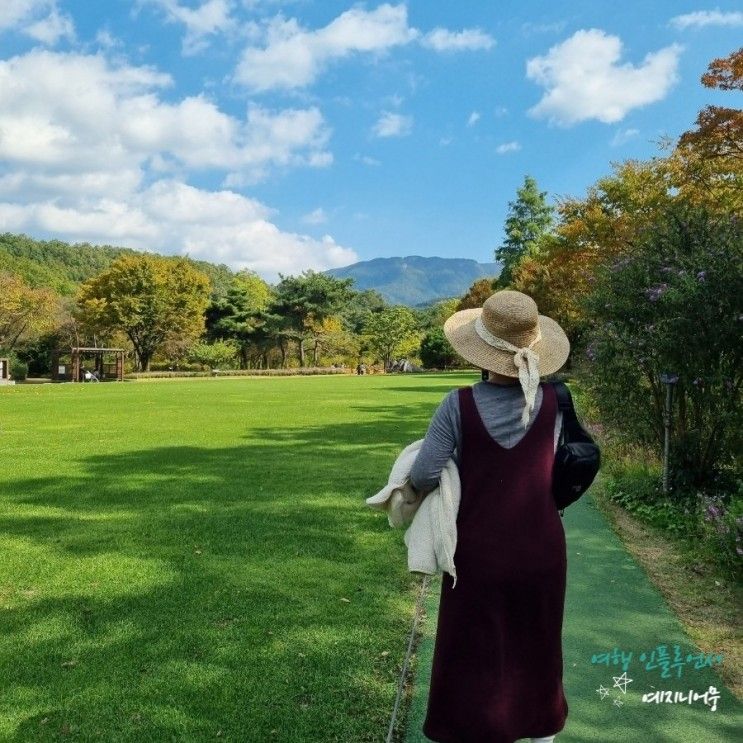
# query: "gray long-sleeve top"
{"points": [[500, 407]]}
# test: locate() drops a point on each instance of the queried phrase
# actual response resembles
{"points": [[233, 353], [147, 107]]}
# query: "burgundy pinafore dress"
{"points": [[497, 663]]}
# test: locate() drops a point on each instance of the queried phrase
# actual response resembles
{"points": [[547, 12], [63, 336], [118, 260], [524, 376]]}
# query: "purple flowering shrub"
{"points": [[672, 303], [721, 529]]}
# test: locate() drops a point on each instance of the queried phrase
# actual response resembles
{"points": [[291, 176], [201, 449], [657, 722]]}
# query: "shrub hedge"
{"points": [[303, 372]]}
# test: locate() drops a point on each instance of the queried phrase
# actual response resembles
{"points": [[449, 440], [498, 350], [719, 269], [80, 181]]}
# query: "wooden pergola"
{"points": [[72, 372]]}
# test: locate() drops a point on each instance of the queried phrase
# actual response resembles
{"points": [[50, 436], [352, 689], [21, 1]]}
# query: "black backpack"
{"points": [[577, 459]]}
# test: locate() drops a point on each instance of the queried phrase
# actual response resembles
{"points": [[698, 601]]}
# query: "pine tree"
{"points": [[529, 217]]}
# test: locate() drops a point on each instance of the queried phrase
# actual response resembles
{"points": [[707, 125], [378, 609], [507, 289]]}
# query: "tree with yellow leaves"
{"points": [[25, 312], [150, 298]]}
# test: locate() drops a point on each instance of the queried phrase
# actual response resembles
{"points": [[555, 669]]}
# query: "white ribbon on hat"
{"points": [[526, 361]]}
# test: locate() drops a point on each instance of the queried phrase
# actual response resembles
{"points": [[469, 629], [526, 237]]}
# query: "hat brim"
{"points": [[553, 348]]}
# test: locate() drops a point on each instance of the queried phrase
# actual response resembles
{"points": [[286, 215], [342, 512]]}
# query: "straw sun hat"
{"points": [[507, 335]]}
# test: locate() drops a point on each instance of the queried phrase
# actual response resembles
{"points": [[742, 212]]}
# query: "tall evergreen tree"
{"points": [[529, 218], [237, 315], [308, 299]]}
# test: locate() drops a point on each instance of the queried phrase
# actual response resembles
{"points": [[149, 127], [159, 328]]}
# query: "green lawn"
{"points": [[194, 560]]}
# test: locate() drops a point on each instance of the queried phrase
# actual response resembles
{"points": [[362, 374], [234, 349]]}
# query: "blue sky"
{"points": [[280, 136]]}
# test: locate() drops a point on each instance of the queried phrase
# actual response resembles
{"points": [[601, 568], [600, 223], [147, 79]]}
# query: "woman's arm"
{"points": [[442, 439]]}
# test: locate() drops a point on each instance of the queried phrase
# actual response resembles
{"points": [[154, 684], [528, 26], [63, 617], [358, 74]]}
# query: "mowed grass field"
{"points": [[194, 560]]}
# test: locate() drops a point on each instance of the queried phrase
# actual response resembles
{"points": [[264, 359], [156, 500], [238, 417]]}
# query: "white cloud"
{"points": [[584, 80], [39, 19], [14, 12], [106, 40], [294, 57], [291, 56], [528, 28], [393, 125], [469, 39], [623, 136], [173, 217], [316, 216], [51, 29], [506, 147], [209, 18], [80, 112], [90, 151], [366, 160], [702, 18], [473, 118], [40, 186]]}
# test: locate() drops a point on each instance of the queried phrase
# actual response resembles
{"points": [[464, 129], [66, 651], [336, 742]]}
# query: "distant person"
{"points": [[497, 663]]}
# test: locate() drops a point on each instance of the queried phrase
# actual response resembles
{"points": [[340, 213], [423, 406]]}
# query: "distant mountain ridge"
{"points": [[415, 280]]}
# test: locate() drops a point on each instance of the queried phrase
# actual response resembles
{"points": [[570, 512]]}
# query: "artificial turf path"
{"points": [[610, 603]]}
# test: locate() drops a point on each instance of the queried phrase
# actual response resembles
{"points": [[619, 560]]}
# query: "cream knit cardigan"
{"points": [[431, 537]]}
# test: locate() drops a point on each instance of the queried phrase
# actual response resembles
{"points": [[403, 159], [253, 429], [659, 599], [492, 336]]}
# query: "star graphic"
{"points": [[602, 691], [618, 702], [621, 682]]}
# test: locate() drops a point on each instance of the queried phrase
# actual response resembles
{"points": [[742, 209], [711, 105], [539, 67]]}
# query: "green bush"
{"points": [[181, 366], [297, 372], [720, 523], [18, 369], [217, 355], [639, 492], [706, 527], [436, 351], [672, 304]]}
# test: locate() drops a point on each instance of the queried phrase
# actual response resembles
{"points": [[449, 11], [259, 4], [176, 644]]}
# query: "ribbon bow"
{"points": [[525, 360]]}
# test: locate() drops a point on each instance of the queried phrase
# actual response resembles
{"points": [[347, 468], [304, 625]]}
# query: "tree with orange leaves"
{"points": [[718, 136], [704, 169]]}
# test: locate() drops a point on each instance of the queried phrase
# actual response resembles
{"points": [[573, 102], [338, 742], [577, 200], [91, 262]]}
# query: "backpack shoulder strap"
{"points": [[564, 401], [572, 430]]}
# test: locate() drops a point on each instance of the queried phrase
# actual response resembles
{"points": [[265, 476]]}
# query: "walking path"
{"points": [[610, 603]]}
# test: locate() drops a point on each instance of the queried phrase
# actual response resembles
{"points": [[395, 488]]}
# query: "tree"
{"points": [[236, 315], [436, 351], [259, 293], [25, 313], [725, 74], [707, 163], [272, 331], [672, 304], [591, 232], [307, 300], [435, 315], [332, 338], [619, 209], [213, 355], [719, 132], [148, 297], [357, 309], [477, 294], [389, 330], [529, 217]]}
